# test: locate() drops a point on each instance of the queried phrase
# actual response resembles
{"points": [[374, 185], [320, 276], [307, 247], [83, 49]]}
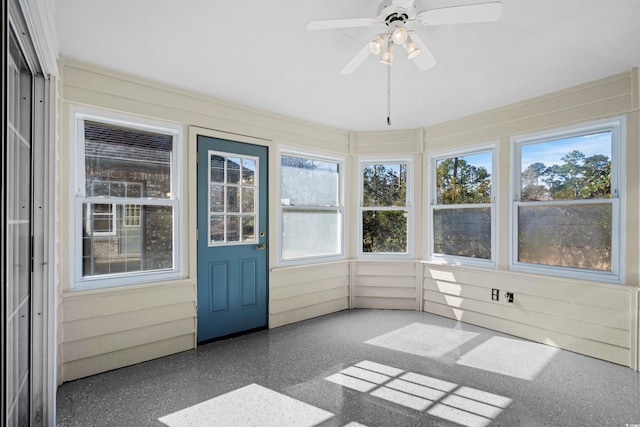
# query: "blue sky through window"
{"points": [[551, 152], [478, 160]]}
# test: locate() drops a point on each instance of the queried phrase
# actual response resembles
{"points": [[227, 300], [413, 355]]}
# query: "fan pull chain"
{"points": [[389, 95]]}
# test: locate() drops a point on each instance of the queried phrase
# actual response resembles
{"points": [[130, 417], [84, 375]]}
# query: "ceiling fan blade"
{"points": [[405, 4], [425, 58], [357, 60], [342, 23], [482, 12]]}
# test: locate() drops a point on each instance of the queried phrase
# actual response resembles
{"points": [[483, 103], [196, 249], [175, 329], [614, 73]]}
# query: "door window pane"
{"points": [[216, 229], [232, 199], [233, 170], [217, 168], [248, 228], [248, 171]]}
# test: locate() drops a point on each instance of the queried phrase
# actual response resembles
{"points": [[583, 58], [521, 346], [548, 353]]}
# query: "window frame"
{"points": [[432, 205], [408, 208], [617, 126], [255, 186], [311, 155], [78, 197]]}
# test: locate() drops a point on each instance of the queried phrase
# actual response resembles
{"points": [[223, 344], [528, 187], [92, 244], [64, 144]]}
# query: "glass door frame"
{"points": [[42, 195]]}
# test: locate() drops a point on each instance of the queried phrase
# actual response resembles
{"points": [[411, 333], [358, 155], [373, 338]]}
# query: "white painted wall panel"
{"points": [[142, 317], [309, 312], [107, 329], [129, 356], [302, 292], [122, 321], [588, 317], [386, 284], [534, 333], [389, 142], [110, 328]]}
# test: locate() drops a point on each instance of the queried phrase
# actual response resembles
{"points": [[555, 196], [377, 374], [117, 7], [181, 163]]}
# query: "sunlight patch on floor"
{"points": [[463, 405], [423, 340], [252, 405], [506, 356]]}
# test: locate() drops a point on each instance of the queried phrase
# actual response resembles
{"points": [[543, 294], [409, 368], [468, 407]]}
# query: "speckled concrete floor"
{"points": [[361, 368]]}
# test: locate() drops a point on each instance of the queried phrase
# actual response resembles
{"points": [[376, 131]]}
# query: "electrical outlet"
{"points": [[509, 296], [495, 295]]}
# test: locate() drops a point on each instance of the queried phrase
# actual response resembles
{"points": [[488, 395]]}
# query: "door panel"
{"points": [[232, 237], [19, 215]]}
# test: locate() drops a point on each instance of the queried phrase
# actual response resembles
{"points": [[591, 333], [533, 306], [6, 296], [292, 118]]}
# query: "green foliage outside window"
{"points": [[384, 229], [460, 182], [575, 234], [459, 230], [578, 177]]}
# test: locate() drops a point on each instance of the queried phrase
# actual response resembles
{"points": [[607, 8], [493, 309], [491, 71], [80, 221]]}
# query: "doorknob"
{"points": [[260, 247]]}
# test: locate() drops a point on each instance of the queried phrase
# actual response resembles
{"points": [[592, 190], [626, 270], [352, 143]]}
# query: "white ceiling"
{"points": [[258, 53]]}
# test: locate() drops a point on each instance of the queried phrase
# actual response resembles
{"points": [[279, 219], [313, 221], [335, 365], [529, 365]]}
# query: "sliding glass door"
{"points": [[26, 208]]}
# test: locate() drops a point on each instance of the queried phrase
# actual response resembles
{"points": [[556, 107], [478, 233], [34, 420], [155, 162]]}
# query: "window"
{"points": [[567, 196], [233, 199], [384, 207], [462, 208], [311, 208], [126, 207]]}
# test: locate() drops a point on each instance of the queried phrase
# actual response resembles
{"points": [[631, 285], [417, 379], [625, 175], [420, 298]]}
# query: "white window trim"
{"points": [[314, 155], [617, 126], [226, 185], [77, 116], [382, 160], [131, 220], [89, 220], [432, 205]]}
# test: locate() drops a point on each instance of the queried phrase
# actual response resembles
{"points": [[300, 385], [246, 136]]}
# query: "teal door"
{"points": [[232, 237]]}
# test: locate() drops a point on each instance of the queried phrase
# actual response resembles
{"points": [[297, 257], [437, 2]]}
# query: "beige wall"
{"points": [[105, 329], [587, 317], [109, 328], [597, 319]]}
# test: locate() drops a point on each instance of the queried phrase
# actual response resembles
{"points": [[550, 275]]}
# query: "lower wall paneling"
{"points": [[587, 318], [112, 328], [303, 292], [386, 284]]}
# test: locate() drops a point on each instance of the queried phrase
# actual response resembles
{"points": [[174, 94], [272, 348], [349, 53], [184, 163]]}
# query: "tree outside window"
{"points": [[384, 207], [462, 206], [565, 209]]}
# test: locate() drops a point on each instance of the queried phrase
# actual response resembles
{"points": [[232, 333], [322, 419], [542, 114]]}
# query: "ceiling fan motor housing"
{"points": [[390, 11]]}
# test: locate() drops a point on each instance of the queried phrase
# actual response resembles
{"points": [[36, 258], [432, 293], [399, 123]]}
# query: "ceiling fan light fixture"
{"points": [[411, 48], [399, 35], [387, 56], [376, 44]]}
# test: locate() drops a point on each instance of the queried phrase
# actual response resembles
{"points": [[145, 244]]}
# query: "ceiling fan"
{"points": [[396, 15]]}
